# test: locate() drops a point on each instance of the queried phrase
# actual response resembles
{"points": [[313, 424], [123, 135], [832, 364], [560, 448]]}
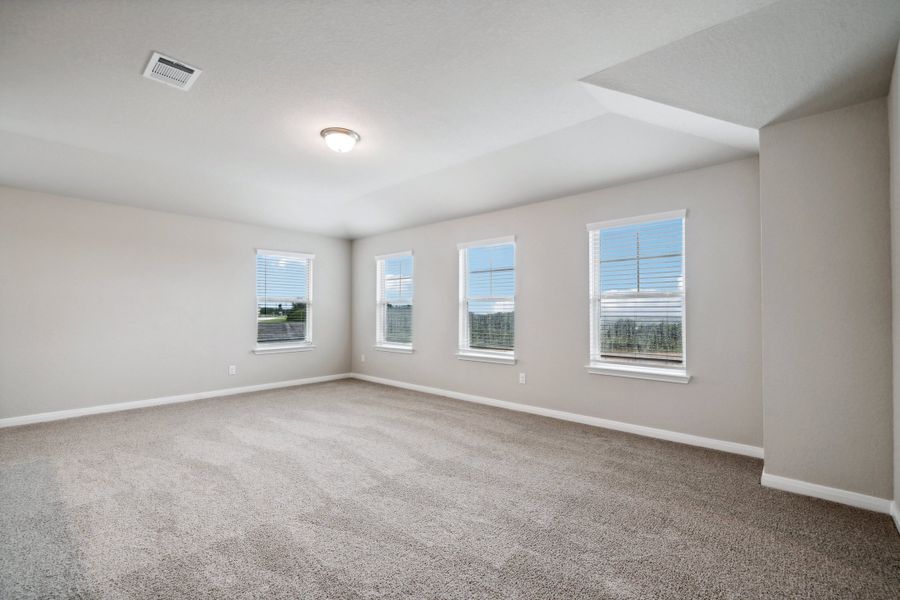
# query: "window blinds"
{"points": [[488, 302], [637, 291], [283, 297], [393, 323]]}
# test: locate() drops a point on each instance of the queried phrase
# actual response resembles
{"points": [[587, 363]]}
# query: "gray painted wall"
{"points": [[826, 299], [723, 311], [105, 304], [894, 134], [117, 281]]}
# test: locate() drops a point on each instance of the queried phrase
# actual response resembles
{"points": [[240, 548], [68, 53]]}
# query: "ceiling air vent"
{"points": [[171, 72]]}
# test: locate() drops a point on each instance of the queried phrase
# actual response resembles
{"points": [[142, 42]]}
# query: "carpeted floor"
{"points": [[354, 490]]}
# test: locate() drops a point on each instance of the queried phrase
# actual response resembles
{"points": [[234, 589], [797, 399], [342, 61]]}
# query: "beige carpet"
{"points": [[354, 490]]}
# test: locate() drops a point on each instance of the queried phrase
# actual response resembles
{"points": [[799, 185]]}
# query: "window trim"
{"points": [[497, 241], [299, 346], [499, 357], [660, 216], [395, 348], [463, 350], [281, 348], [638, 370], [381, 344]]}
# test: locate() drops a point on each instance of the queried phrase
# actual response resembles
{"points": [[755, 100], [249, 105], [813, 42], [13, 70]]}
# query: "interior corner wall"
{"points": [[101, 304], [826, 299], [723, 401], [894, 121]]}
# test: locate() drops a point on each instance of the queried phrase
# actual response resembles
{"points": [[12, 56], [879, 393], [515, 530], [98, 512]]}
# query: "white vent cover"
{"points": [[171, 72]]}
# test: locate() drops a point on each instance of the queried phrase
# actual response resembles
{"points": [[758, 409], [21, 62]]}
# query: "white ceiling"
{"points": [[564, 162], [463, 106], [791, 59]]}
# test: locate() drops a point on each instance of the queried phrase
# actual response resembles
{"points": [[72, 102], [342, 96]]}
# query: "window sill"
{"points": [[639, 372], [489, 357], [280, 348], [390, 348]]}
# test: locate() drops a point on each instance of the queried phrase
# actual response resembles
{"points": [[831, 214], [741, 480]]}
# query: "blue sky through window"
{"points": [[490, 275], [644, 257], [398, 282], [280, 278]]}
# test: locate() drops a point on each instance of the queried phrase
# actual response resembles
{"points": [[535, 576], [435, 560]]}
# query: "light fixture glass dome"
{"points": [[340, 139]]}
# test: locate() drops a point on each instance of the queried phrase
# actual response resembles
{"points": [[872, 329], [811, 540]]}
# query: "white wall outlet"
{"points": [[232, 369], [362, 358], [521, 377]]}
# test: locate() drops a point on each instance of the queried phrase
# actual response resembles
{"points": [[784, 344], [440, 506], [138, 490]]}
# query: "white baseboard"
{"points": [[106, 408], [662, 434], [824, 492], [895, 512]]}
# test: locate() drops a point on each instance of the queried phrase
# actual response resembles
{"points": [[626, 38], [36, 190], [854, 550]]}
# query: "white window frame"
{"points": [[298, 346], [381, 344], [464, 352], [636, 370]]}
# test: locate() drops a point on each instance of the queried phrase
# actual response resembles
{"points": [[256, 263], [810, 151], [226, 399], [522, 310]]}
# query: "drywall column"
{"points": [[826, 299], [894, 119]]}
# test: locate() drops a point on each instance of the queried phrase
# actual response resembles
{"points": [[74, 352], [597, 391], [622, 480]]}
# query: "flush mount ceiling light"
{"points": [[339, 139]]}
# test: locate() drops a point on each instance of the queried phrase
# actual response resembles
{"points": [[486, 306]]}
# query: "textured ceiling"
{"points": [[463, 107], [568, 161], [791, 59]]}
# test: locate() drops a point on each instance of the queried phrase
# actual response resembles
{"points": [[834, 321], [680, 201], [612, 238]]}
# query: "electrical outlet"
{"points": [[362, 358], [521, 377], [232, 369]]}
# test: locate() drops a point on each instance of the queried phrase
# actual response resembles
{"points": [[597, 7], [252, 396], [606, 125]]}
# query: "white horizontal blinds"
{"points": [[283, 285], [637, 296], [490, 303], [395, 300]]}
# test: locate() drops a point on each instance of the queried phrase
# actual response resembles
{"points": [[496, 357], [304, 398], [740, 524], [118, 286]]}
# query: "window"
{"points": [[637, 297], [394, 302], [487, 300], [283, 301]]}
